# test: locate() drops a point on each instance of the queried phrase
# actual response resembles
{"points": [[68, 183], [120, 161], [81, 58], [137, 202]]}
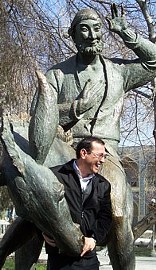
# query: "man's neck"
{"points": [[82, 168]]}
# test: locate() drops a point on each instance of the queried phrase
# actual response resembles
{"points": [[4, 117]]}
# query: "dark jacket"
{"points": [[93, 213]]}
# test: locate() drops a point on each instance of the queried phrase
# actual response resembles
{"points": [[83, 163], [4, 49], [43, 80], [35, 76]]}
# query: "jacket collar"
{"points": [[68, 167]]}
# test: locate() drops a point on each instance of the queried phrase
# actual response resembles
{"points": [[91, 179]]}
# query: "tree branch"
{"points": [[144, 224], [149, 20], [142, 94]]}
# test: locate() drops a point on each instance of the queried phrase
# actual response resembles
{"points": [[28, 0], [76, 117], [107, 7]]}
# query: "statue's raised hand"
{"points": [[118, 22]]}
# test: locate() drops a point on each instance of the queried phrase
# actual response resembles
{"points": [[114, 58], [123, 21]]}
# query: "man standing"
{"points": [[88, 197]]}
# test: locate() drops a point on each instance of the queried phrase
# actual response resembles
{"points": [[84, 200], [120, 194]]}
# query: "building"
{"points": [[139, 165]]}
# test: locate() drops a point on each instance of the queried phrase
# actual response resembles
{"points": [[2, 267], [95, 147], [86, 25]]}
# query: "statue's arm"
{"points": [[72, 111], [145, 66], [86, 99], [143, 48], [55, 79]]}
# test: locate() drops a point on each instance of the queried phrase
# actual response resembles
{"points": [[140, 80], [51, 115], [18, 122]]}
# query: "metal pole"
{"points": [[153, 252], [141, 187]]}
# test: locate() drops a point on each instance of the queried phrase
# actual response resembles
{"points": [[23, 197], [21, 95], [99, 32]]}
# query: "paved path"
{"points": [[142, 263]]}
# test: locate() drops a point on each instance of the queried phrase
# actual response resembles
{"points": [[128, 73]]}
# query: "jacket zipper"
{"points": [[82, 197]]}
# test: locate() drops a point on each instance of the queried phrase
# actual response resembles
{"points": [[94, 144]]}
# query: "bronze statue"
{"points": [[89, 90]]}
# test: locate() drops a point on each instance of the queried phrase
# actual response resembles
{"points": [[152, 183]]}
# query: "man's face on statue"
{"points": [[88, 37]]}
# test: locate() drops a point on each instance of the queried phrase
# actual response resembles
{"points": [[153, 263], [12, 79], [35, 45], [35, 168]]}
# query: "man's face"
{"points": [[94, 158], [88, 36]]}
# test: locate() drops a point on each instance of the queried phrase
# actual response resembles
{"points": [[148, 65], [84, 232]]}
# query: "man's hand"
{"points": [[89, 245], [117, 23]]}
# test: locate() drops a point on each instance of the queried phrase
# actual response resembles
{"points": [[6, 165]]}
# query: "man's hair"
{"points": [[87, 144], [83, 14]]}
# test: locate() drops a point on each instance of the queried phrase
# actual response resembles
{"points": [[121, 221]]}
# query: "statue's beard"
{"points": [[90, 50]]}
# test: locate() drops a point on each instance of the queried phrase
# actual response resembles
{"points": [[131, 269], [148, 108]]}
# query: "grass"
{"points": [[142, 251], [10, 265]]}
